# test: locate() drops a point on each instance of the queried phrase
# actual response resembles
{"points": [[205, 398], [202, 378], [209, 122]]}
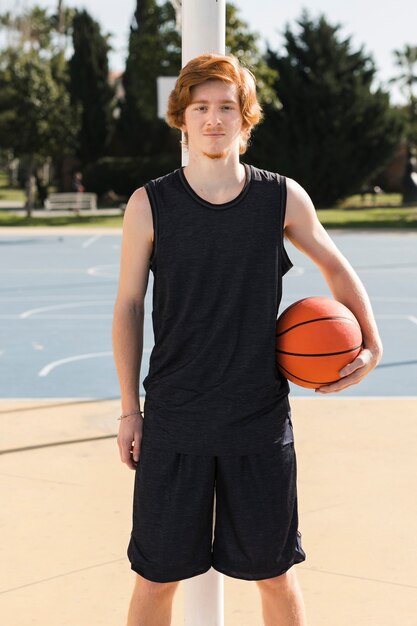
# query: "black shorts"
{"points": [[255, 534]]}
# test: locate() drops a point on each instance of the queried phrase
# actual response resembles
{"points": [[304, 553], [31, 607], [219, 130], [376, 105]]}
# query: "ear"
{"points": [[246, 131], [183, 126]]}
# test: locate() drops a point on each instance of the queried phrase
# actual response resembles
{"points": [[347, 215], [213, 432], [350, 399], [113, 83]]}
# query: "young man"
{"points": [[217, 417]]}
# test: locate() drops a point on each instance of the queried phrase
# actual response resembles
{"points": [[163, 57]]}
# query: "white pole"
{"points": [[203, 28], [203, 31]]}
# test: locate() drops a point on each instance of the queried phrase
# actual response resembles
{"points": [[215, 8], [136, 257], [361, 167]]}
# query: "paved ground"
{"points": [[66, 497], [66, 516]]}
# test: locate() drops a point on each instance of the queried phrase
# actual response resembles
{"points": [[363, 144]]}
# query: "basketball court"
{"points": [[58, 291], [68, 497]]}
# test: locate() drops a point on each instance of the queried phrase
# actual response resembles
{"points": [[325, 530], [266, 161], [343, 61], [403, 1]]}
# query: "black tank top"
{"points": [[213, 386]]}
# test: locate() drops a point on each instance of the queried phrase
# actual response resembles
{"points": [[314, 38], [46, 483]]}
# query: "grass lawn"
{"points": [[390, 217], [6, 193], [376, 218], [8, 218], [382, 211]]}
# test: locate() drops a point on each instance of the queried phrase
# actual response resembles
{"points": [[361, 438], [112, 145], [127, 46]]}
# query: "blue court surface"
{"points": [[57, 293]]}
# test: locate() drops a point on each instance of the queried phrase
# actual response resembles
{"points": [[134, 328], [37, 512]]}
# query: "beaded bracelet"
{"points": [[129, 414]]}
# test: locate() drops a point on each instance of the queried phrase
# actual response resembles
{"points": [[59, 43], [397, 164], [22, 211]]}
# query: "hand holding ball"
{"points": [[315, 338]]}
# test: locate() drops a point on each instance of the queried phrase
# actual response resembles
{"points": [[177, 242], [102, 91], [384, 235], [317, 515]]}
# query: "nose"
{"points": [[213, 118]]}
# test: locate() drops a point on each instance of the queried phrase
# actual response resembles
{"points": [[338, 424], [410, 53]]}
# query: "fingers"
{"points": [[361, 360], [125, 447], [136, 447], [130, 449], [341, 384], [351, 374]]}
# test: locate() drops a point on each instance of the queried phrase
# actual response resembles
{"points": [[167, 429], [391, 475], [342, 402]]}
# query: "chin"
{"points": [[216, 155]]}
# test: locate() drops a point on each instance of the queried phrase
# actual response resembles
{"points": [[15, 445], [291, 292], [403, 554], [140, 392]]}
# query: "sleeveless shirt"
{"points": [[213, 387]]}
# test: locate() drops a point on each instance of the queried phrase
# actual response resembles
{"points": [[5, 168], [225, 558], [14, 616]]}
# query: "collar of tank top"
{"points": [[224, 205]]}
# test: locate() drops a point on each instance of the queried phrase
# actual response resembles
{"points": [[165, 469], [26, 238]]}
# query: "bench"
{"points": [[75, 201]]}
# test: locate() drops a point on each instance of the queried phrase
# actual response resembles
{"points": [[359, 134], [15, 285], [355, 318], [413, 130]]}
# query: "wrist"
{"points": [[137, 413], [129, 404]]}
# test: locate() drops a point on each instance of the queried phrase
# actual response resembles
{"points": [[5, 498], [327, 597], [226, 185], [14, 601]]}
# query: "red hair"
{"points": [[216, 67]]}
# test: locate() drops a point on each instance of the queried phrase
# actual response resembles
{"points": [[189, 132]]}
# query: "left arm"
{"points": [[304, 230]]}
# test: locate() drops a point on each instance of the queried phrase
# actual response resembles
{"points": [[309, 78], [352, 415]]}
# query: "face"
{"points": [[213, 121]]}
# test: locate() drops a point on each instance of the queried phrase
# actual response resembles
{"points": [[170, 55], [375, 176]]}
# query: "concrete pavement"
{"points": [[66, 511]]}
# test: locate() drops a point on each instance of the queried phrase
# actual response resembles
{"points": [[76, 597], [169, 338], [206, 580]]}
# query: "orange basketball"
{"points": [[316, 338]]}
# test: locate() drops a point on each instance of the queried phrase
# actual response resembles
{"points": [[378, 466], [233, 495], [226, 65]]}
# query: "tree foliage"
{"points": [[89, 86], [154, 50], [334, 132], [406, 62], [36, 119], [244, 44]]}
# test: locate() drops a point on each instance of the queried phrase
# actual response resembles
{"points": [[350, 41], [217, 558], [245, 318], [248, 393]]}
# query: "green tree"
{"points": [[154, 50], [89, 86], [334, 131], [36, 119], [32, 29], [244, 44], [406, 61], [37, 37]]}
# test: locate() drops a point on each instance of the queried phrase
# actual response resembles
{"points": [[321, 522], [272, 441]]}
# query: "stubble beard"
{"points": [[216, 155]]}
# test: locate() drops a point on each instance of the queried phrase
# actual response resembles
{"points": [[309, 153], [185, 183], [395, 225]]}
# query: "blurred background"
{"points": [[337, 81]]}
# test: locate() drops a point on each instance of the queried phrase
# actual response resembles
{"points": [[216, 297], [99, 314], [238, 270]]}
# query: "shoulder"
{"points": [[162, 181], [297, 196], [139, 205], [262, 175], [138, 213], [299, 204], [138, 201]]}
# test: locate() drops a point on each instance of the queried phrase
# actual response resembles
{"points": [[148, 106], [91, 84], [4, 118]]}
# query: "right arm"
{"points": [[128, 318]]}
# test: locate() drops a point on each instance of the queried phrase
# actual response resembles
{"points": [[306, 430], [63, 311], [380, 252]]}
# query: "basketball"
{"points": [[315, 338]]}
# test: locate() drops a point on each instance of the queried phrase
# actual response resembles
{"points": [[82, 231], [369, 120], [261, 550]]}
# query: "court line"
{"points": [[53, 444], [86, 316], [78, 357], [30, 296], [365, 578], [67, 305], [99, 270], [74, 571], [55, 402], [41, 270], [98, 316], [38, 480], [290, 297], [91, 399], [91, 240], [396, 364], [397, 316]]}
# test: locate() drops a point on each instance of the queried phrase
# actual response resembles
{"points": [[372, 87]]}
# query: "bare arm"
{"points": [[304, 230], [128, 318]]}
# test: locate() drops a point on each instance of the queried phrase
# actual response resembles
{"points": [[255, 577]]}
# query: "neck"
{"points": [[215, 173]]}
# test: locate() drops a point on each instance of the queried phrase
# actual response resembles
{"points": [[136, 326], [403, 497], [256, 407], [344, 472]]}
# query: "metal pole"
{"points": [[203, 30]]}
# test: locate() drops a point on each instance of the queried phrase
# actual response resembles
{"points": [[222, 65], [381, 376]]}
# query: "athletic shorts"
{"points": [[237, 514]]}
